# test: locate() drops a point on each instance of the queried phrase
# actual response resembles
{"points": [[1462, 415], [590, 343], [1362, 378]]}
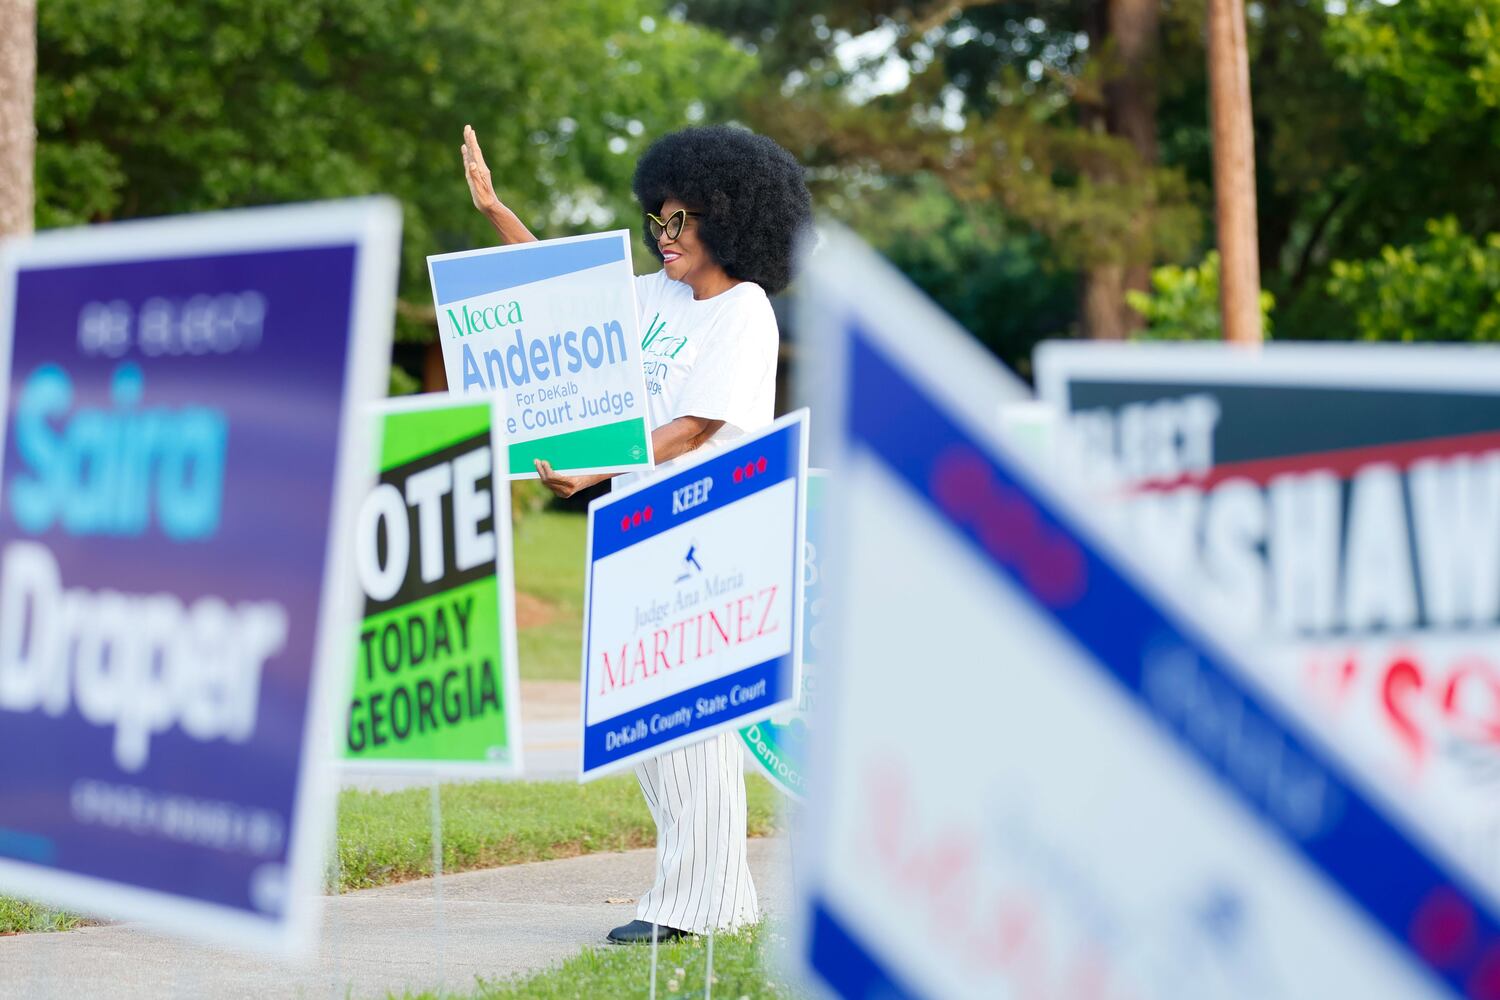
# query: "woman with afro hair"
{"points": [[723, 210]]}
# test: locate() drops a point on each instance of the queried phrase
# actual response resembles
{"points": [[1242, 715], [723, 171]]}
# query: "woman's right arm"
{"points": [[482, 190]]}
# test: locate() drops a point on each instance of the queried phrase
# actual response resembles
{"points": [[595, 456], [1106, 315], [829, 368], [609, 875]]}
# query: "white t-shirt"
{"points": [[714, 358]]}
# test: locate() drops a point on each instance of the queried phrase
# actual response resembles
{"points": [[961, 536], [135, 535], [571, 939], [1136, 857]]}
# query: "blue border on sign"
{"points": [[845, 961], [1299, 791], [654, 502], [596, 753], [620, 522], [459, 278]]}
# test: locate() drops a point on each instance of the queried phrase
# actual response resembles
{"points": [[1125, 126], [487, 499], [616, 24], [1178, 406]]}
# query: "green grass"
{"points": [[549, 566], [613, 971], [17, 916], [387, 836]]}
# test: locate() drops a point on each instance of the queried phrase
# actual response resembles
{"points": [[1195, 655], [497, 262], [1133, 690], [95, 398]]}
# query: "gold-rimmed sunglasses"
{"points": [[671, 225]]}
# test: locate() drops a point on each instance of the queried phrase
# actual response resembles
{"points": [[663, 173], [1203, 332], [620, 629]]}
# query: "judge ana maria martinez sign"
{"points": [[692, 620]]}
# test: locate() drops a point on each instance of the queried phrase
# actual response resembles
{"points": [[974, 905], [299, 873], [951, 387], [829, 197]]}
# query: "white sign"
{"points": [[551, 328], [1338, 505], [693, 601], [1035, 773]]}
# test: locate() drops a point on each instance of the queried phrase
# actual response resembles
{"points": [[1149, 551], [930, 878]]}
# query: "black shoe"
{"points": [[639, 932]]}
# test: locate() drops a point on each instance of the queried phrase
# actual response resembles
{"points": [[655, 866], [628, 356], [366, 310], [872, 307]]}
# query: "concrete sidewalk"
{"points": [[498, 923]]}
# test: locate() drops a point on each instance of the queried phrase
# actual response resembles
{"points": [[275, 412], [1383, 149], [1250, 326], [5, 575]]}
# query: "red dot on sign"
{"points": [[636, 518], [648, 513], [624, 524], [1484, 984], [739, 473], [1443, 928], [760, 465], [749, 469]]}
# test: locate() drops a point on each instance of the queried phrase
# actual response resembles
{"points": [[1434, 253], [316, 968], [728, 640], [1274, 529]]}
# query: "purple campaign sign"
{"points": [[178, 460]]}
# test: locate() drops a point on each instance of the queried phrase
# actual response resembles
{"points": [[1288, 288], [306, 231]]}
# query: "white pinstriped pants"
{"points": [[697, 797]]}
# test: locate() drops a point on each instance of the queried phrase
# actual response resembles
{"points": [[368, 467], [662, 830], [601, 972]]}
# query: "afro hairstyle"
{"points": [[751, 192]]}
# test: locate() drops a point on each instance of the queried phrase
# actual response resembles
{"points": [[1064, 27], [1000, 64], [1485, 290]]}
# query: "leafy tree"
{"points": [[1368, 123], [990, 274], [1045, 108], [1429, 66], [148, 108], [1446, 287]]}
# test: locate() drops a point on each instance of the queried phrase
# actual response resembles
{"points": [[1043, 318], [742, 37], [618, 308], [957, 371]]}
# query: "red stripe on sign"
{"points": [[1345, 462]]}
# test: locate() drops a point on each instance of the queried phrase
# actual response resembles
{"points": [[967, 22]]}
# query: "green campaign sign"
{"points": [[435, 684], [779, 745]]}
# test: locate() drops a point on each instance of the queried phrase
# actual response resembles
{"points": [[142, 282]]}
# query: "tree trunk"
{"points": [[1132, 29], [1130, 102], [434, 373], [1103, 304], [17, 119]]}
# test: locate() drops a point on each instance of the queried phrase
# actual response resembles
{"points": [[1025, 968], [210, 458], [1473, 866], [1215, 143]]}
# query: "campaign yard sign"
{"points": [[778, 745], [435, 683], [551, 328], [183, 456], [693, 599], [1088, 796], [1339, 506]]}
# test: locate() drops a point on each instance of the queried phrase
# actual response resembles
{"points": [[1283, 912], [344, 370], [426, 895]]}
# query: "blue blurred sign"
{"points": [[1093, 798], [693, 620], [183, 453], [779, 745]]}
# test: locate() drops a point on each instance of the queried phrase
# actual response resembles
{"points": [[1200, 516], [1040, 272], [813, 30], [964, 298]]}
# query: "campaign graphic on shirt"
{"points": [[435, 684], [551, 328], [693, 613], [183, 456], [713, 358], [779, 744], [1337, 506], [658, 349], [1083, 792]]}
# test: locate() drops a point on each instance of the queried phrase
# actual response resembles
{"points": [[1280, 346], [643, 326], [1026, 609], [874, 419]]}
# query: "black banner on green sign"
{"points": [[435, 685]]}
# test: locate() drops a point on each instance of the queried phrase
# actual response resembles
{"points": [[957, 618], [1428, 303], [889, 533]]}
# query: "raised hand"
{"points": [[477, 173]]}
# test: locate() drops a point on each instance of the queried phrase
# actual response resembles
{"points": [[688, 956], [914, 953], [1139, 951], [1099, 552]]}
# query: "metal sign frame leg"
{"points": [[439, 930]]}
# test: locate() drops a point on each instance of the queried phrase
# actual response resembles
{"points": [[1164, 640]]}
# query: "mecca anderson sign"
{"points": [[549, 327]]}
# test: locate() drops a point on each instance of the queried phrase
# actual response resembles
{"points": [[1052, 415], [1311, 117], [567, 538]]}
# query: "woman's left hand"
{"points": [[563, 486]]}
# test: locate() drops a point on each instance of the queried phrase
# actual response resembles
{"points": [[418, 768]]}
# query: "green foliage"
{"points": [[1183, 303], [527, 497], [1446, 287], [1429, 65], [402, 382], [990, 274], [146, 108], [1003, 115], [17, 916], [386, 837]]}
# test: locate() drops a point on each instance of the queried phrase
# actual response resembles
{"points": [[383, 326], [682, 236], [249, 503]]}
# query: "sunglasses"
{"points": [[671, 225]]}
